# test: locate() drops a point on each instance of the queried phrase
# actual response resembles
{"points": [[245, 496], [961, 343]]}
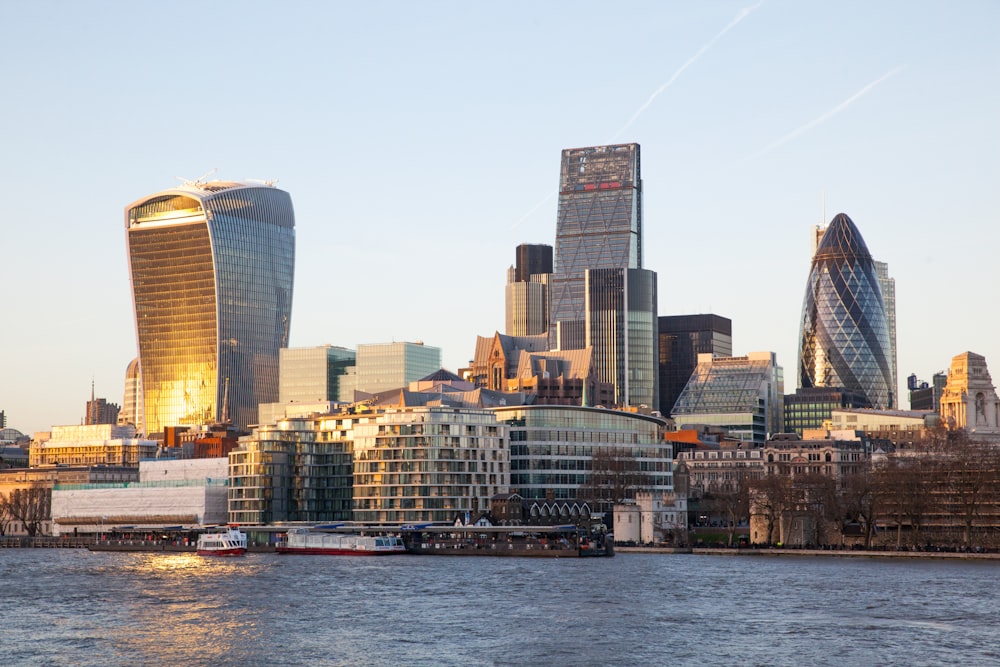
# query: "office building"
{"points": [[844, 336], [812, 408], [611, 309], [887, 286], [924, 395], [593, 454], [312, 374], [681, 338], [212, 266], [527, 291], [382, 366], [743, 395]]}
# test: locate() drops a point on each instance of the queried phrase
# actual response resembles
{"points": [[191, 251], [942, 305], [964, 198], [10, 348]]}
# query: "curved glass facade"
{"points": [[212, 267], [552, 448], [844, 337]]}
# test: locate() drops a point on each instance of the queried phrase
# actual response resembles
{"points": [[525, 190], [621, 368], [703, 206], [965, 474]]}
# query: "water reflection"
{"points": [[189, 609], [107, 609]]}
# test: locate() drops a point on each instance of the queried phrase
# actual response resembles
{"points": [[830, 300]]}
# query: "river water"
{"points": [[74, 607]]}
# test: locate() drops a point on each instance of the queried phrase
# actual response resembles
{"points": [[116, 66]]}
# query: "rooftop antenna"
{"points": [[198, 182], [93, 403], [269, 182]]}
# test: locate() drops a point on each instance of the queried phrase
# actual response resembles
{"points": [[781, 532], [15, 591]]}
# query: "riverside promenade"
{"points": [[827, 553]]}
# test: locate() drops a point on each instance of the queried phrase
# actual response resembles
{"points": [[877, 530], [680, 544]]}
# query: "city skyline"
{"points": [[428, 134]]}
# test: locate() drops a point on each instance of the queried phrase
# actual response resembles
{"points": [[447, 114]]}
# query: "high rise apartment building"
{"points": [[613, 308], [844, 336], [212, 266]]}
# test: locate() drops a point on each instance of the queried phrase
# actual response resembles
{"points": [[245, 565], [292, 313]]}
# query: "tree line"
{"points": [[940, 494]]}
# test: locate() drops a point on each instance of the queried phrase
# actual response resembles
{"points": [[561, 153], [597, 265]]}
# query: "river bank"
{"points": [[840, 553]]}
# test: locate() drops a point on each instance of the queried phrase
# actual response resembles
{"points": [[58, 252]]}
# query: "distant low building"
{"points": [[100, 444], [901, 427], [186, 493], [652, 518]]}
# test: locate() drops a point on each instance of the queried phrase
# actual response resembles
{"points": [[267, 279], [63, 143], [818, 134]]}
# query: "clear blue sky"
{"points": [[420, 144]]}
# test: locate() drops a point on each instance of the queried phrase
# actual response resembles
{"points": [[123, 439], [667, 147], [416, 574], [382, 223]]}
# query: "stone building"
{"points": [[969, 400]]}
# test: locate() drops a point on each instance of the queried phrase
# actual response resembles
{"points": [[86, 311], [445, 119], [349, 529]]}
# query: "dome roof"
{"points": [[841, 240]]}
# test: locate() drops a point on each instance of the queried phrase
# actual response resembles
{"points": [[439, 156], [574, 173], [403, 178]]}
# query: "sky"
{"points": [[420, 144]]}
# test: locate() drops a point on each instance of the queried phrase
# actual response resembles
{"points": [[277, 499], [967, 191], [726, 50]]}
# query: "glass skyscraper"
{"points": [[212, 266], [599, 227], [844, 336], [600, 296]]}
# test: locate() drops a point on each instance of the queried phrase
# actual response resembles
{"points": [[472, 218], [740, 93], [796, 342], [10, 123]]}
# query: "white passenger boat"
{"points": [[231, 542], [305, 541]]}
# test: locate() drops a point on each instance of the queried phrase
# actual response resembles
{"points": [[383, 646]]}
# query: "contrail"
{"points": [[827, 116], [739, 17], [533, 209]]}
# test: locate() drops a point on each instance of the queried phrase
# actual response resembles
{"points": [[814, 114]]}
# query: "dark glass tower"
{"points": [[844, 337], [621, 327], [681, 339], [532, 259], [212, 267]]}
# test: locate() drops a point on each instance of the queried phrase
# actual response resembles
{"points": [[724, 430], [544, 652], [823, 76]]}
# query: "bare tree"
{"points": [[970, 473], [812, 495], [910, 484], [30, 506], [5, 517], [730, 499], [769, 498], [615, 476], [864, 493]]}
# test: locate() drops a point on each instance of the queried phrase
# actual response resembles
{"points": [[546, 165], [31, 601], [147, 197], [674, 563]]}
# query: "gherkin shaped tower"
{"points": [[844, 338]]}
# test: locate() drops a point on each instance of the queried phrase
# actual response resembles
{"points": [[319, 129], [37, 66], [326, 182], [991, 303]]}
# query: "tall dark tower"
{"points": [[211, 267], [844, 337]]}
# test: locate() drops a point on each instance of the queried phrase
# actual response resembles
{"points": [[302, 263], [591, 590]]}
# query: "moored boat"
{"points": [[231, 542], [305, 541]]}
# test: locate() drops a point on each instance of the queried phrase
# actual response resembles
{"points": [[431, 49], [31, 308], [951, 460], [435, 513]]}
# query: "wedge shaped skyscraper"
{"points": [[844, 336], [211, 266]]}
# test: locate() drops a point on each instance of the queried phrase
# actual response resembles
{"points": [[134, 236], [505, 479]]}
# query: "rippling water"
{"points": [[74, 607]]}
